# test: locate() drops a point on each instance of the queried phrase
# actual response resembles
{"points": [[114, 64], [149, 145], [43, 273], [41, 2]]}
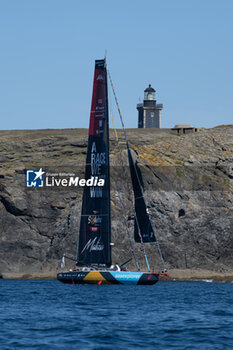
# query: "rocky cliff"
{"points": [[188, 186]]}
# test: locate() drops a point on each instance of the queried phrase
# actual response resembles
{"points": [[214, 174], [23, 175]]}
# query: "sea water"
{"points": [[169, 315]]}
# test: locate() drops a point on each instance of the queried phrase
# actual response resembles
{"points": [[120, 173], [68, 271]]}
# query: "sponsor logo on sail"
{"points": [[94, 221], [100, 77], [93, 244]]}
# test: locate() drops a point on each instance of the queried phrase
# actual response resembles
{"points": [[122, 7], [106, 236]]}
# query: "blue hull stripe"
{"points": [[126, 277]]}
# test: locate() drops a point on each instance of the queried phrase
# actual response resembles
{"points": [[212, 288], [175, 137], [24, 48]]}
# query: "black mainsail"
{"points": [[95, 226], [143, 231]]}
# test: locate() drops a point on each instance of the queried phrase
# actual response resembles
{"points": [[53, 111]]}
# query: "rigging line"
{"points": [[118, 107], [127, 142], [67, 257], [126, 177], [121, 202], [126, 223], [114, 127]]}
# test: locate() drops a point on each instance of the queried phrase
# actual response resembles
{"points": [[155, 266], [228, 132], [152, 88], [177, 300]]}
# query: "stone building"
{"points": [[149, 112], [184, 129]]}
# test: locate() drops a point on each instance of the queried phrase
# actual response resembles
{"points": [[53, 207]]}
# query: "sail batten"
{"points": [[95, 226]]}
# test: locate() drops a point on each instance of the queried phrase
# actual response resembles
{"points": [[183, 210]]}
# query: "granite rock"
{"points": [[187, 181]]}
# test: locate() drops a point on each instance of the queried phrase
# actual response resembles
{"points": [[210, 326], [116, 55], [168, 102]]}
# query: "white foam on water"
{"points": [[206, 280]]}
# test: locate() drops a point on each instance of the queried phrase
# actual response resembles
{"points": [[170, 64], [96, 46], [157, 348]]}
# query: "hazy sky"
{"points": [[183, 48]]}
